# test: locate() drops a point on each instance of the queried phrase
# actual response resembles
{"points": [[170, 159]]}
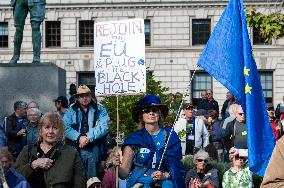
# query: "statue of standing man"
{"points": [[21, 8]]}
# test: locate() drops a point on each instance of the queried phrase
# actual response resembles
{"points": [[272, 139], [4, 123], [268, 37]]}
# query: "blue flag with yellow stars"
{"points": [[228, 58]]}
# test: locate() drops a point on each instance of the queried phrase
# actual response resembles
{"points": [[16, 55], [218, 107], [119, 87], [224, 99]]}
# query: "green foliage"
{"points": [[173, 101], [271, 26], [126, 103]]}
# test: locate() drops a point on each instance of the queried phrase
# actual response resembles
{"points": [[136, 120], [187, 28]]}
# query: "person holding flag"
{"points": [[228, 58], [146, 146]]}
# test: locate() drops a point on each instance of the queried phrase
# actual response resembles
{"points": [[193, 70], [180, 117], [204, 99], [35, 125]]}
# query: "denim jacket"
{"points": [[95, 132], [15, 179]]}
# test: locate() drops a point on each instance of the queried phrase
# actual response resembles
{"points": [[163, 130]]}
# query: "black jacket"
{"points": [[12, 138], [67, 170]]}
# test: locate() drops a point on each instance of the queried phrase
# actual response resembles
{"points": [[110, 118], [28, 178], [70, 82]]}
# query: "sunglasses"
{"points": [[202, 160], [237, 157], [151, 109], [96, 185]]}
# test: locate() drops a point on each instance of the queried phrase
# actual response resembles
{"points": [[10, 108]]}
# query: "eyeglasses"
{"points": [[96, 185], [202, 160], [188, 108], [151, 109]]}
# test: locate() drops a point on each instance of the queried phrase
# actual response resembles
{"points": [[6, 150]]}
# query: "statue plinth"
{"points": [[40, 82]]}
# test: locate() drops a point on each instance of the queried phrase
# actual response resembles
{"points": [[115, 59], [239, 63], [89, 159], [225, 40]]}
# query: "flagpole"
{"points": [[177, 115], [2, 178], [117, 135]]}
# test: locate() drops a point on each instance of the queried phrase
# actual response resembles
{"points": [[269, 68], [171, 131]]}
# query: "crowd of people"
{"points": [[60, 148], [68, 147]]}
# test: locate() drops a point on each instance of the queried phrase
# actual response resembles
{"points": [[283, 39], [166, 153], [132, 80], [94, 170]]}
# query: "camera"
{"points": [[243, 152]]}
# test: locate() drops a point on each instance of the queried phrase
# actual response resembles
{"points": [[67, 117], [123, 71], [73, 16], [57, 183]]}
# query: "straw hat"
{"points": [[83, 89]]}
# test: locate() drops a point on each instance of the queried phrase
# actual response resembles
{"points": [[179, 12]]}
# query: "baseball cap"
{"points": [[270, 107], [92, 181], [202, 112], [187, 106], [61, 99]]}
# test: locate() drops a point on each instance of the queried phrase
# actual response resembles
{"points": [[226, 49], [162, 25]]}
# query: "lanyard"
{"points": [[190, 126]]}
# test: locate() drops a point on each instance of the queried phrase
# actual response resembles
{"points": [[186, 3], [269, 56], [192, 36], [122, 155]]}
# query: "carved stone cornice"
{"points": [[193, 4], [155, 5]]}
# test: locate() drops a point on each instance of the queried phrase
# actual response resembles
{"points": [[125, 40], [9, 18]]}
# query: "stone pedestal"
{"points": [[26, 81]]}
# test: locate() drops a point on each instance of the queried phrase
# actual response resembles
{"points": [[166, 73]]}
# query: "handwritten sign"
{"points": [[120, 57]]}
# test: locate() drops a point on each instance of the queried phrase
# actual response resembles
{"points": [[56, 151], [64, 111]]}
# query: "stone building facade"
{"points": [[172, 50]]}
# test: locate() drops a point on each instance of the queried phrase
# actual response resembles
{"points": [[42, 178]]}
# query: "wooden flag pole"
{"points": [[117, 135], [3, 179]]}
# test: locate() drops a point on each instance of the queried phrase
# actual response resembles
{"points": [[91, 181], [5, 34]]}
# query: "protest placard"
{"points": [[119, 57]]}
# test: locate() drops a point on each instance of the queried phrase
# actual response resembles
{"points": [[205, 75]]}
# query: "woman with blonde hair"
{"points": [[109, 179], [51, 163]]}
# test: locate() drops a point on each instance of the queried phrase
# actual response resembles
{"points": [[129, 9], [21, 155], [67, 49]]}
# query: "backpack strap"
{"points": [[5, 125], [4, 128], [233, 133], [281, 132], [277, 111]]}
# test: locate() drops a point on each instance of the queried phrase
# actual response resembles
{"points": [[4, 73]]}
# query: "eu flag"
{"points": [[228, 58]]}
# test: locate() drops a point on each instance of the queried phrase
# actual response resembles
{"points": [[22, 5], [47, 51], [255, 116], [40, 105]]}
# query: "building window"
{"points": [[266, 79], [87, 78], [257, 38], [52, 34], [86, 33], [147, 30], [201, 82], [3, 34], [201, 29]]}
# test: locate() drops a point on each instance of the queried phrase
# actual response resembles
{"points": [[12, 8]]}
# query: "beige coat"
{"points": [[274, 174]]}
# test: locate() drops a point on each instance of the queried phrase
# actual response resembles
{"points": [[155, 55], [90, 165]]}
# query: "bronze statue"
{"points": [[21, 8]]}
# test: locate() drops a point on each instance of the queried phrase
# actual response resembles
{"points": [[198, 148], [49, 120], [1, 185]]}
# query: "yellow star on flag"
{"points": [[248, 89], [246, 71], [158, 143]]}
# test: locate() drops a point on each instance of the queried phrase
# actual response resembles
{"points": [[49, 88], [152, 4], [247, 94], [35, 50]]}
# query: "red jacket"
{"points": [[109, 178], [275, 129]]}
